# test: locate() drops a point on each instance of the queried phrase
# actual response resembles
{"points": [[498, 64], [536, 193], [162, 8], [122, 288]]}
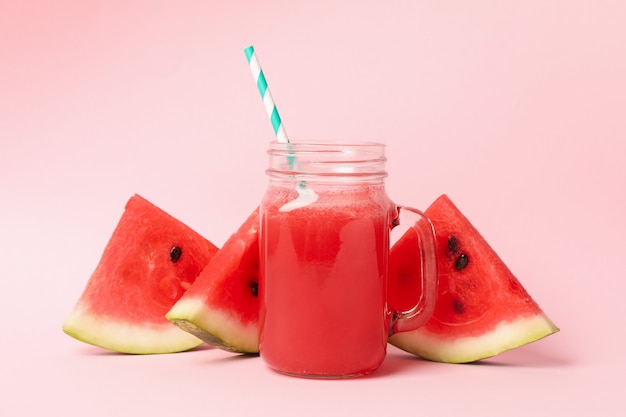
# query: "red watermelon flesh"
{"points": [[148, 263], [481, 310], [222, 306]]}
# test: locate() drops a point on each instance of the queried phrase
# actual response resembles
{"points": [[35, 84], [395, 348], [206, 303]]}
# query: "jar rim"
{"points": [[358, 160], [275, 144]]}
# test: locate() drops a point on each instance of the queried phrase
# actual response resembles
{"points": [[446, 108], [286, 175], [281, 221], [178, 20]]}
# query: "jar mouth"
{"points": [[367, 150], [326, 144], [346, 159]]}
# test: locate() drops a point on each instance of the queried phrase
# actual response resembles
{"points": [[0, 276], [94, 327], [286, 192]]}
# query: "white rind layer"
{"points": [[504, 337], [215, 327], [111, 334]]}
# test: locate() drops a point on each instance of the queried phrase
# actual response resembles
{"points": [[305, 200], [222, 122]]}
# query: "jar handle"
{"points": [[419, 314]]}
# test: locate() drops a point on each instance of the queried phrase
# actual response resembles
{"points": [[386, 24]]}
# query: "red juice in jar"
{"points": [[324, 308]]}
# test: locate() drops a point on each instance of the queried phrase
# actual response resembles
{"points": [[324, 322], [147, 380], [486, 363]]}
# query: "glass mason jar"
{"points": [[324, 240]]}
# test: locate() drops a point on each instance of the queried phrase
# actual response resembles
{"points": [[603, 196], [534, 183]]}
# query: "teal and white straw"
{"points": [[268, 101], [306, 195]]}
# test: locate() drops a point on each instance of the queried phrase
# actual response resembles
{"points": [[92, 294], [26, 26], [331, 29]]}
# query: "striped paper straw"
{"points": [[268, 101], [306, 195]]}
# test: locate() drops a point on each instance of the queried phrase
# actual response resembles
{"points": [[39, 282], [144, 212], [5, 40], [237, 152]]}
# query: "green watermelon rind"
{"points": [[118, 336], [213, 326], [504, 337]]}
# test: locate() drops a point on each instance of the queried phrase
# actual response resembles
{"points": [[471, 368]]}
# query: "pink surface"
{"points": [[514, 109]]}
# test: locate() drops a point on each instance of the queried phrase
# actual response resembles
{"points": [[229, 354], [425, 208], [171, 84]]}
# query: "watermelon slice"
{"points": [[482, 309], [148, 263], [222, 306]]}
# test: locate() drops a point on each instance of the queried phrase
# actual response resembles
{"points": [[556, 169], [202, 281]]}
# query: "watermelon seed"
{"points": [[254, 288], [459, 307], [175, 253], [461, 262], [453, 244]]}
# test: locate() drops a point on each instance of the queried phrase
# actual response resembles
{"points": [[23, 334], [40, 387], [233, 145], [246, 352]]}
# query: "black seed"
{"points": [[395, 222], [461, 262], [175, 253], [453, 244], [254, 288], [459, 308]]}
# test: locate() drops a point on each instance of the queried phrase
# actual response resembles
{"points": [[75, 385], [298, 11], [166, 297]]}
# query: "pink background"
{"points": [[516, 110]]}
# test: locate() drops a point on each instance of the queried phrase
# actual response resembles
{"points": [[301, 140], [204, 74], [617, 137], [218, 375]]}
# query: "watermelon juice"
{"points": [[324, 302], [324, 237]]}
